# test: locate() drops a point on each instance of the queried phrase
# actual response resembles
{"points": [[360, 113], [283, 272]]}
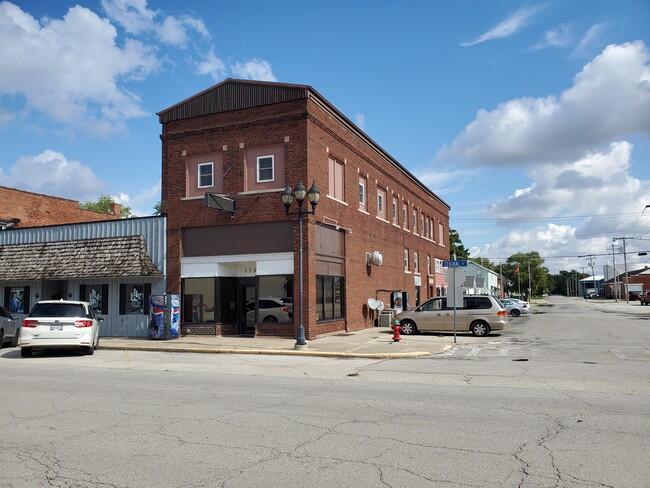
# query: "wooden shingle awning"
{"points": [[109, 257]]}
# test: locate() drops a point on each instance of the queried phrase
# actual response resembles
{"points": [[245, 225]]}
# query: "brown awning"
{"points": [[89, 258]]}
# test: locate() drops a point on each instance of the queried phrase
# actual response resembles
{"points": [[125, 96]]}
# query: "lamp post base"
{"points": [[299, 347]]}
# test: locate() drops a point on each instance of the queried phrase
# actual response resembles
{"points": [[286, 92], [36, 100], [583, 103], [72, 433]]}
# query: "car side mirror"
{"points": [[15, 317], [100, 319]]}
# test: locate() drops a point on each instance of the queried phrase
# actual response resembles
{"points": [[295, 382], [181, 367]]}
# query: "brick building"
{"points": [[378, 232], [20, 209]]}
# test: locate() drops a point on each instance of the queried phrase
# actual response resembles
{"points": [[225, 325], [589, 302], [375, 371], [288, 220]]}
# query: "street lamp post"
{"points": [[288, 196]]}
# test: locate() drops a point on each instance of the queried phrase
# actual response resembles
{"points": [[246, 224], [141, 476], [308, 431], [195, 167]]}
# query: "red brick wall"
{"points": [[311, 133], [35, 210]]}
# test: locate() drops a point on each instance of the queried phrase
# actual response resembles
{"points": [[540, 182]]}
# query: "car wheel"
{"points": [[408, 327], [90, 350], [97, 344], [270, 318], [515, 312], [480, 329], [25, 352], [14, 343]]}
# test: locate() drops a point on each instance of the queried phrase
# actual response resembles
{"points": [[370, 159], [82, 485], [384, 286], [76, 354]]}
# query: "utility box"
{"points": [[386, 317]]}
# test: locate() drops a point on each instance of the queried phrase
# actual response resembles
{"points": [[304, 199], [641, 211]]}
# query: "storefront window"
{"points": [[330, 297], [275, 298], [16, 304], [198, 300]]}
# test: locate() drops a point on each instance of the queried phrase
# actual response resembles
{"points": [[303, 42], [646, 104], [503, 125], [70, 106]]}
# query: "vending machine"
{"points": [[164, 316]]}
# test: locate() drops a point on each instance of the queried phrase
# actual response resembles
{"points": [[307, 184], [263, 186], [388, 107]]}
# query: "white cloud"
{"points": [[136, 18], [610, 98], [589, 40], [70, 69], [507, 27], [360, 121], [52, 173], [212, 66], [255, 69], [559, 38]]}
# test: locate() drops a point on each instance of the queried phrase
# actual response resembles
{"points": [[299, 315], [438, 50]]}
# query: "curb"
{"points": [[272, 352]]}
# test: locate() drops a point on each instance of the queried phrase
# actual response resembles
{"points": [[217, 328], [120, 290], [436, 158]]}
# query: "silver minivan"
{"points": [[480, 315]]}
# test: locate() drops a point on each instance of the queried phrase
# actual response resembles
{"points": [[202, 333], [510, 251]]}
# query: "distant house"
{"points": [[480, 280], [21, 209]]}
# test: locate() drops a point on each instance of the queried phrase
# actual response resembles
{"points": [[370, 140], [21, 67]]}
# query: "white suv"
{"points": [[55, 324]]}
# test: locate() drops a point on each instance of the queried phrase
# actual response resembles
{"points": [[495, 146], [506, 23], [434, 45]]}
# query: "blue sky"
{"points": [[531, 119]]}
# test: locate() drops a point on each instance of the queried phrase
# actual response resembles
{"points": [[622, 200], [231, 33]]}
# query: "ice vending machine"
{"points": [[164, 316]]}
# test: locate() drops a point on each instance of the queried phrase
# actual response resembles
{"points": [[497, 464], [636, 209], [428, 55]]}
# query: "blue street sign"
{"points": [[454, 264]]}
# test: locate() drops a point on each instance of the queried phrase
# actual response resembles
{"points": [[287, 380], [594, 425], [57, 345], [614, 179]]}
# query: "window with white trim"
{"points": [[265, 169], [362, 192], [428, 264], [415, 222], [381, 203], [395, 210], [405, 220], [416, 262], [441, 241], [406, 260], [206, 175]]}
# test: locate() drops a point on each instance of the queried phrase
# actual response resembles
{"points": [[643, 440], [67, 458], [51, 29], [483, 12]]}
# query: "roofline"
{"points": [[314, 95]]}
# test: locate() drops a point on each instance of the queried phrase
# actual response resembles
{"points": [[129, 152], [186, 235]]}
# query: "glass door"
{"points": [[247, 314]]}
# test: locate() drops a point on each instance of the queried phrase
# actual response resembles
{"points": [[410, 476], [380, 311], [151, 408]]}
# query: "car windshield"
{"points": [[58, 310]]}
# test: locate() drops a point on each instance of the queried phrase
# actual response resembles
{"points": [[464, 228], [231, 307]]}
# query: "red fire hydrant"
{"points": [[396, 330]]}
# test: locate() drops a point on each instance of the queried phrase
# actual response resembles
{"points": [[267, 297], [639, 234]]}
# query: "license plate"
{"points": [[56, 327]]}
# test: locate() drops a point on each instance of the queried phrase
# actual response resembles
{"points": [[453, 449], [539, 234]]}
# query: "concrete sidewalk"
{"points": [[368, 343]]}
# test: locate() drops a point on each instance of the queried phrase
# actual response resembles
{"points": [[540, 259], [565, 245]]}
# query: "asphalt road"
{"points": [[561, 399]]}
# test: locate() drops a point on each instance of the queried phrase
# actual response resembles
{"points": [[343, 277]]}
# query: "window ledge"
{"points": [[363, 211], [336, 199], [383, 220], [254, 192], [193, 198]]}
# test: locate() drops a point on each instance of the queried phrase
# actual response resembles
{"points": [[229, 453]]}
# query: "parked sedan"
{"points": [[57, 324], [9, 329], [515, 307], [270, 310]]}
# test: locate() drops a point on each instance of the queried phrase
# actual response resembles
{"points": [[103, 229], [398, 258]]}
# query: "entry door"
{"points": [[247, 295]]}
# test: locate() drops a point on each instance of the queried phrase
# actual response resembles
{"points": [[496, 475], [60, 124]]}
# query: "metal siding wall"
{"points": [[154, 230]]}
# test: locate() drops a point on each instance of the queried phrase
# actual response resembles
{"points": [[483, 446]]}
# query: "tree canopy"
{"points": [[103, 204]]}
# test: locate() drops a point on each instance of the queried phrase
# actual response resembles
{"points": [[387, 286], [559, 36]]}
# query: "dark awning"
{"points": [[89, 258]]}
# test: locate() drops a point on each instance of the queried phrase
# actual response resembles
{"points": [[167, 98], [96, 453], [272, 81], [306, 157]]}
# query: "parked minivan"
{"points": [[480, 315]]}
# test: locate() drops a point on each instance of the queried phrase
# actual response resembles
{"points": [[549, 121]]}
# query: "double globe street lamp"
{"points": [[288, 196]]}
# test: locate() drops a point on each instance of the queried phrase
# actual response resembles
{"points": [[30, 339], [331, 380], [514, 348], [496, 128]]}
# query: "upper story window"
{"points": [[422, 225], [438, 265], [428, 264], [416, 262], [363, 184], [381, 203], [415, 221], [265, 169], [206, 175], [405, 220], [336, 179], [441, 241], [426, 227], [203, 173], [394, 210], [406, 260]]}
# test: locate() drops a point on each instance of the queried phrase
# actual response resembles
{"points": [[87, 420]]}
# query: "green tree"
{"points": [[522, 269], [157, 209], [456, 246], [103, 204]]}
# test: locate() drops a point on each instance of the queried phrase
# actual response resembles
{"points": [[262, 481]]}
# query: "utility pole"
{"points": [[615, 277], [627, 283], [590, 257]]}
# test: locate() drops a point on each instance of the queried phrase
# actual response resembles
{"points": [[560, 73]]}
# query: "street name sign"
{"points": [[454, 264]]}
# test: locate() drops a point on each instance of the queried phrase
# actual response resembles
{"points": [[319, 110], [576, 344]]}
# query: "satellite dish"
{"points": [[381, 306], [373, 304]]}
